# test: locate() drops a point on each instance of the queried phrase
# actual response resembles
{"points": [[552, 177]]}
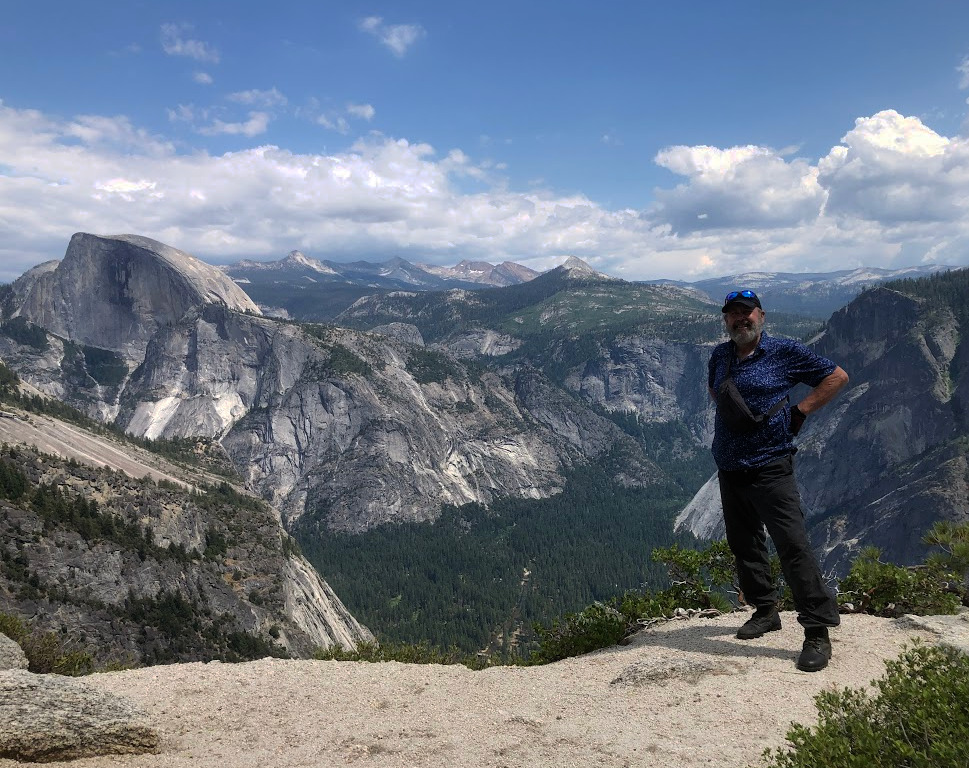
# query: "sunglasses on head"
{"points": [[740, 295]]}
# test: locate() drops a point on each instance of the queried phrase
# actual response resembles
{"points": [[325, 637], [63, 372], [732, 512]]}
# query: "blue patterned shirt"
{"points": [[763, 378]]}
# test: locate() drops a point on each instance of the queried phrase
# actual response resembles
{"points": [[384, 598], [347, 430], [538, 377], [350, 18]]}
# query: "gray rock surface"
{"points": [[116, 292], [11, 654], [45, 718], [952, 631]]}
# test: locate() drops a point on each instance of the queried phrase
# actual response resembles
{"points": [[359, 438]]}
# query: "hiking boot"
{"points": [[815, 654], [764, 620]]}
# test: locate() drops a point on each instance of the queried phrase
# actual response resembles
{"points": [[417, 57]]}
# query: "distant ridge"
{"points": [[817, 294]]}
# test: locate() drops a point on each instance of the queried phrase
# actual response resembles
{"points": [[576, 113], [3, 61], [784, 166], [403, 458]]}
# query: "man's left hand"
{"points": [[797, 419]]}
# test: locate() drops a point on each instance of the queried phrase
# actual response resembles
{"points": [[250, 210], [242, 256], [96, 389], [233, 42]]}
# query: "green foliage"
{"points": [[943, 290], [479, 579], [417, 653], [13, 482], [46, 652], [26, 333], [9, 380], [342, 362], [953, 560], [594, 627], [190, 631], [885, 589], [918, 719], [427, 365], [62, 509], [696, 575], [695, 578]]}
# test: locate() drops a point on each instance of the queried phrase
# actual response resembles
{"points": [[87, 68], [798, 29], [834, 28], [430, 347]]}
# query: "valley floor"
{"points": [[685, 693]]}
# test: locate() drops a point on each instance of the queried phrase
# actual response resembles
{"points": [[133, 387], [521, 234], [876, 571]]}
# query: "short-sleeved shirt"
{"points": [[763, 378]]}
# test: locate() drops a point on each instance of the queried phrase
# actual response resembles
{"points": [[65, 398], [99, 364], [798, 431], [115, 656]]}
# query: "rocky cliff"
{"points": [[138, 572], [117, 292], [357, 428], [886, 460]]}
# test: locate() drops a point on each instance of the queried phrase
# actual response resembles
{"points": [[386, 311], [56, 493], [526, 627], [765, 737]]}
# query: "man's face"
{"points": [[744, 324]]}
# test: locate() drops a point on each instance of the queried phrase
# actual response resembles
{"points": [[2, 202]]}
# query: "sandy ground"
{"points": [[685, 693]]}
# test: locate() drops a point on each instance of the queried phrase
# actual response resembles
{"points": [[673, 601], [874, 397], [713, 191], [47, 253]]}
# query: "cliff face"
{"points": [[116, 292], [887, 459], [143, 572], [357, 428]]}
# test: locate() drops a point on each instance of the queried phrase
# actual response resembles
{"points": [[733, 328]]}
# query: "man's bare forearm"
{"points": [[824, 392]]}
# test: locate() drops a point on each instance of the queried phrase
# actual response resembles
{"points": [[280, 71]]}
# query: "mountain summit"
{"points": [[578, 269], [115, 292]]}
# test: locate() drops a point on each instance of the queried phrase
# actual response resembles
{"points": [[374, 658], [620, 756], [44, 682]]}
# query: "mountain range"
{"points": [[316, 290], [415, 439], [308, 289]]}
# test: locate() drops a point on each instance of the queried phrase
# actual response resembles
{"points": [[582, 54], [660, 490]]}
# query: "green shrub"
{"points": [[698, 575], [46, 652], [885, 589], [597, 626], [953, 560], [918, 719], [419, 653]]}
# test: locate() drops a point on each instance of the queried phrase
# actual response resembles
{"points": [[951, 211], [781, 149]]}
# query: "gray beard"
{"points": [[743, 336]]}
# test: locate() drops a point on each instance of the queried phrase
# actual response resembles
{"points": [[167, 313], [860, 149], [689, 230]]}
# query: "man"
{"points": [[753, 445]]}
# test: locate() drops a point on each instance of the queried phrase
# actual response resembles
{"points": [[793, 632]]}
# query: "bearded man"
{"points": [[750, 377]]}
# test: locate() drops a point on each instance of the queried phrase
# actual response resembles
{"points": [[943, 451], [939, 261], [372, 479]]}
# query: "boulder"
{"points": [[11, 654], [44, 718]]}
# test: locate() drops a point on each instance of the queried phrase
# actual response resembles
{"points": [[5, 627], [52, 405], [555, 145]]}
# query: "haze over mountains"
{"points": [[571, 405]]}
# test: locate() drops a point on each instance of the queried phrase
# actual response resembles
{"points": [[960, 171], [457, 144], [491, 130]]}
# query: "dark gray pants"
{"points": [[767, 497]]}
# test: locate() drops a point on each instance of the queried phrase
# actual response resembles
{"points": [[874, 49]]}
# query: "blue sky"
{"points": [[653, 140]]}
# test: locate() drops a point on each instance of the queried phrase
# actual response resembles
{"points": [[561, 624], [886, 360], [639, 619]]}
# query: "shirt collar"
{"points": [[758, 350]]}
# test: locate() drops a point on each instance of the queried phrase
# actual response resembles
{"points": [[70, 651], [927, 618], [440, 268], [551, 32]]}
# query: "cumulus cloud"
{"points": [[175, 43], [892, 193], [893, 169], [397, 37], [202, 78], [737, 187]]}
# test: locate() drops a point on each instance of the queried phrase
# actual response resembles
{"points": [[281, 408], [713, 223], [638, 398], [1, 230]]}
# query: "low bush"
{"points": [[919, 718], [597, 626], [699, 579], [885, 589], [419, 653], [46, 652]]}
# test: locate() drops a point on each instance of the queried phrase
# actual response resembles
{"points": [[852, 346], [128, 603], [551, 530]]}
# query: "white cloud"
{"points": [[256, 98], [175, 43], [336, 123], [397, 37], [202, 78], [257, 124], [893, 169], [363, 111], [340, 121], [963, 70], [736, 187], [893, 193]]}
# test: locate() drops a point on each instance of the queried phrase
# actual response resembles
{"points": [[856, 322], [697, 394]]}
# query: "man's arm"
{"points": [[824, 392]]}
